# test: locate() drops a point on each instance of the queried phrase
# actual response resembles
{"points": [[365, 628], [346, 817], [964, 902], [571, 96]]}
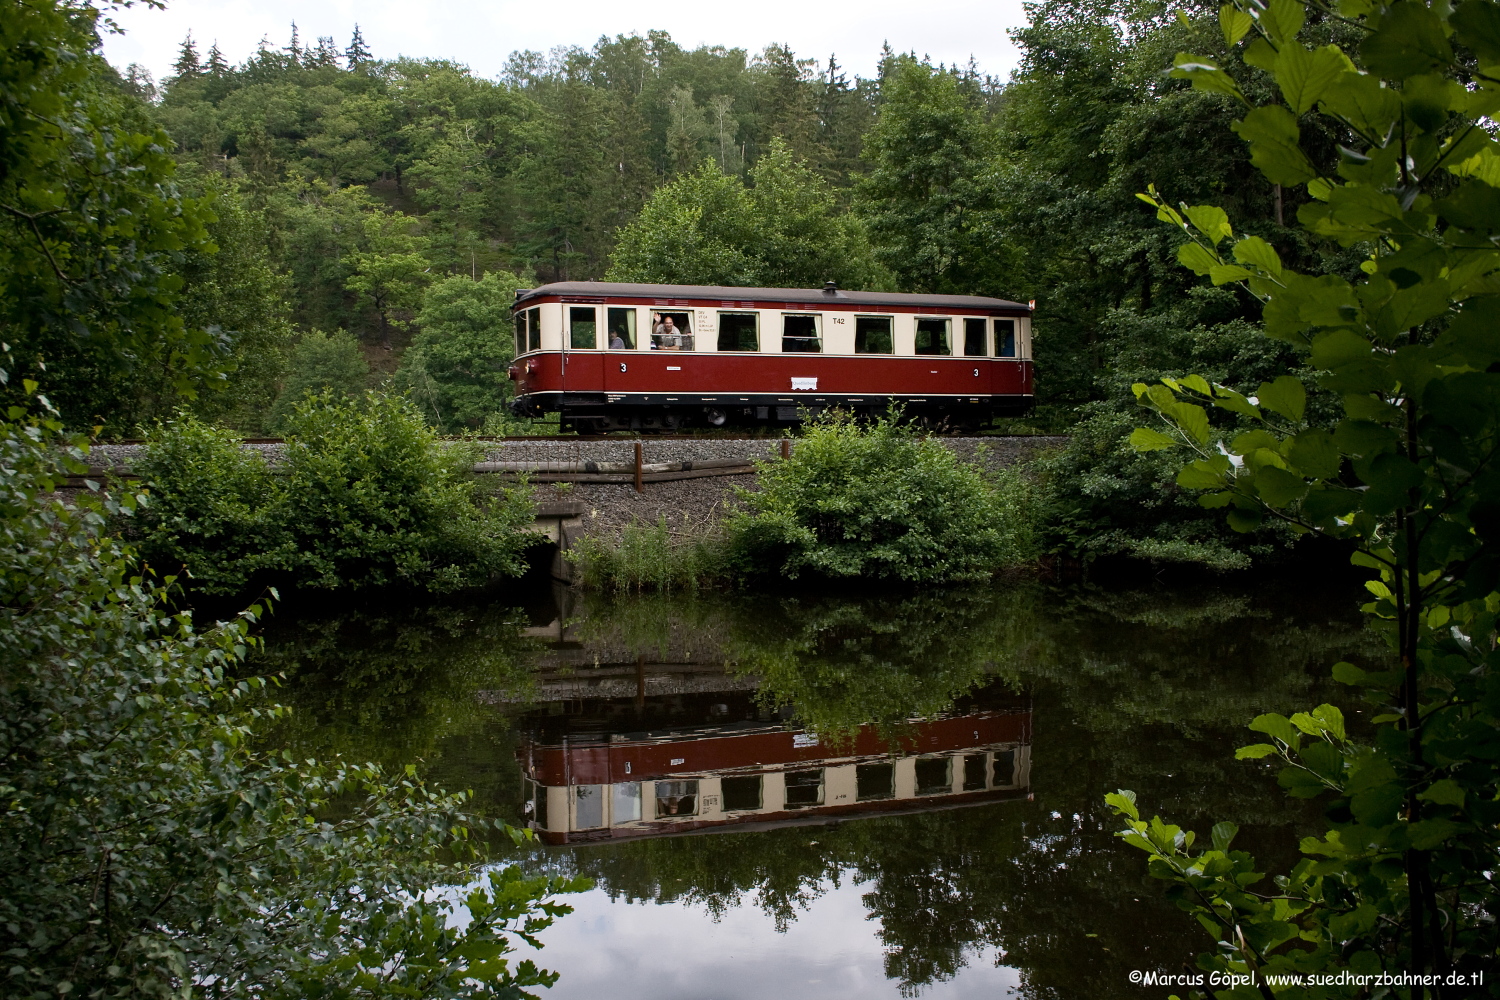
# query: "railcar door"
{"points": [[582, 362]]}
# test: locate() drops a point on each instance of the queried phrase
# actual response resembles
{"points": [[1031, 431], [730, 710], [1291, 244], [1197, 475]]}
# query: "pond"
{"points": [[811, 794]]}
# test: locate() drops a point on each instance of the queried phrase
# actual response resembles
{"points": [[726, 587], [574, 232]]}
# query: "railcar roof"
{"points": [[723, 293]]}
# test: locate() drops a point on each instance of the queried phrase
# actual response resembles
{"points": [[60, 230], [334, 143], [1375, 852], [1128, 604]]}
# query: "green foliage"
{"points": [[880, 502], [91, 222], [455, 368], [320, 364], [927, 195], [646, 557], [151, 847], [389, 273], [785, 230], [1406, 477], [364, 495]]}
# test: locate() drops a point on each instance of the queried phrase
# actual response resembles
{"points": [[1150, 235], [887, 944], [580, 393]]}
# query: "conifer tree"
{"points": [[294, 50], [187, 64], [356, 55], [216, 66]]}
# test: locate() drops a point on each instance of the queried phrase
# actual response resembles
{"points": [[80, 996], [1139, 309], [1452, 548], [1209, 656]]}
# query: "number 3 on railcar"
{"points": [[615, 356]]}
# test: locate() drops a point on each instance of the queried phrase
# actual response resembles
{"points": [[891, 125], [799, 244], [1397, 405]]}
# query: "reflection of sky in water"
{"points": [[676, 952]]}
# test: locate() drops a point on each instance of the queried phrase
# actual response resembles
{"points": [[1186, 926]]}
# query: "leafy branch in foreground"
{"points": [[151, 846], [1401, 879]]}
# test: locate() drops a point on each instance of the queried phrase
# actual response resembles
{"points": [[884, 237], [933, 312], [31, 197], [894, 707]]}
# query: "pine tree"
{"points": [[187, 64], [326, 54], [294, 50], [356, 55], [216, 66]]}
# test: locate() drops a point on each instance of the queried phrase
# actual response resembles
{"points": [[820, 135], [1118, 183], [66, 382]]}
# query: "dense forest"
{"points": [[343, 195]]}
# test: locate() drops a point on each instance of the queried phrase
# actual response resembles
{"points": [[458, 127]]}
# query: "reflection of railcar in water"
{"points": [[599, 783], [614, 356]]}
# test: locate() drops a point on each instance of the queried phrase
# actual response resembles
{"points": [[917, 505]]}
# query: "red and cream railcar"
{"points": [[616, 356]]}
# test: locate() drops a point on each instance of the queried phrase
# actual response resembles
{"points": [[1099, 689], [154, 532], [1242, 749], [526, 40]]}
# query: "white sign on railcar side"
{"points": [[707, 322], [810, 384]]}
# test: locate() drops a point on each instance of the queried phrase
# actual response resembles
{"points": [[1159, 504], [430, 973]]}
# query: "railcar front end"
{"points": [[616, 356]]}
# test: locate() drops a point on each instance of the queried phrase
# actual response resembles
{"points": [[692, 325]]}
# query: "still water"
{"points": [[820, 795]]}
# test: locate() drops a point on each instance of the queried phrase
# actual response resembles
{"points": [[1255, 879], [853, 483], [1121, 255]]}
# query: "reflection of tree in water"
{"points": [[1146, 689], [397, 684]]}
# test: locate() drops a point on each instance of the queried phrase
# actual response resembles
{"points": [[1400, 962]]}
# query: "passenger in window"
{"points": [[616, 342]]}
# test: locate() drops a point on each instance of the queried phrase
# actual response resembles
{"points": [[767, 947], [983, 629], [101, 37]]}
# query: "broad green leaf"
{"points": [[1337, 348], [1482, 166], [1244, 444], [1275, 725], [1200, 475], [1286, 396], [1476, 25], [1196, 259], [1305, 74], [1252, 251], [1347, 673], [1430, 833], [1211, 221], [1235, 24], [1282, 19], [1223, 274], [1206, 75], [1223, 835], [1145, 439], [1123, 801], [1475, 205], [1364, 103], [1407, 41], [1445, 792], [1314, 455], [1255, 751], [1273, 136], [1193, 420], [1277, 487]]}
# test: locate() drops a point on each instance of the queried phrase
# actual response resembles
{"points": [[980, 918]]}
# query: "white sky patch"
{"points": [[481, 35], [676, 952]]}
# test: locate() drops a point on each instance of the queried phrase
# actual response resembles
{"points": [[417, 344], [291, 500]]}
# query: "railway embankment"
{"points": [[691, 503]]}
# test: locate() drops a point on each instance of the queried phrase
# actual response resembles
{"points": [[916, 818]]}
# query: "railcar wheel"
{"points": [[715, 418]]}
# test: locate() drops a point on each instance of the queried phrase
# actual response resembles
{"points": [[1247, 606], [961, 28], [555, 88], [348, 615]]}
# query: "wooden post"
{"points": [[638, 488], [786, 448]]}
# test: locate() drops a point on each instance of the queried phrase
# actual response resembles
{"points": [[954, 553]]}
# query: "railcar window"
{"points": [[583, 323], [1005, 767], [536, 803], [588, 807], [1005, 338], [739, 331], [521, 332], [627, 802], [974, 338], [974, 772], [622, 329], [874, 781], [804, 788], [534, 329], [934, 775], [676, 798], [800, 335], [671, 331], [872, 335], [932, 336], [741, 792]]}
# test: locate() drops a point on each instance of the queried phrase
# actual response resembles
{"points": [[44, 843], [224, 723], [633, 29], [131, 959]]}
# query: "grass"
{"points": [[646, 558]]}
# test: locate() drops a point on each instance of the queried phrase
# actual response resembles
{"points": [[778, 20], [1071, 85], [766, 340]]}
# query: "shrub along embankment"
{"points": [[874, 501], [364, 494]]}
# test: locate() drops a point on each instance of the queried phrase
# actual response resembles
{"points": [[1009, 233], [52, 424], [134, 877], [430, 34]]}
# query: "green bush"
{"points": [[365, 495], [882, 502], [645, 557], [150, 846]]}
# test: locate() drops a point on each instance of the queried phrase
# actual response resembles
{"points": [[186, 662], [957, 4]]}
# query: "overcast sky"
{"points": [[481, 33]]}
